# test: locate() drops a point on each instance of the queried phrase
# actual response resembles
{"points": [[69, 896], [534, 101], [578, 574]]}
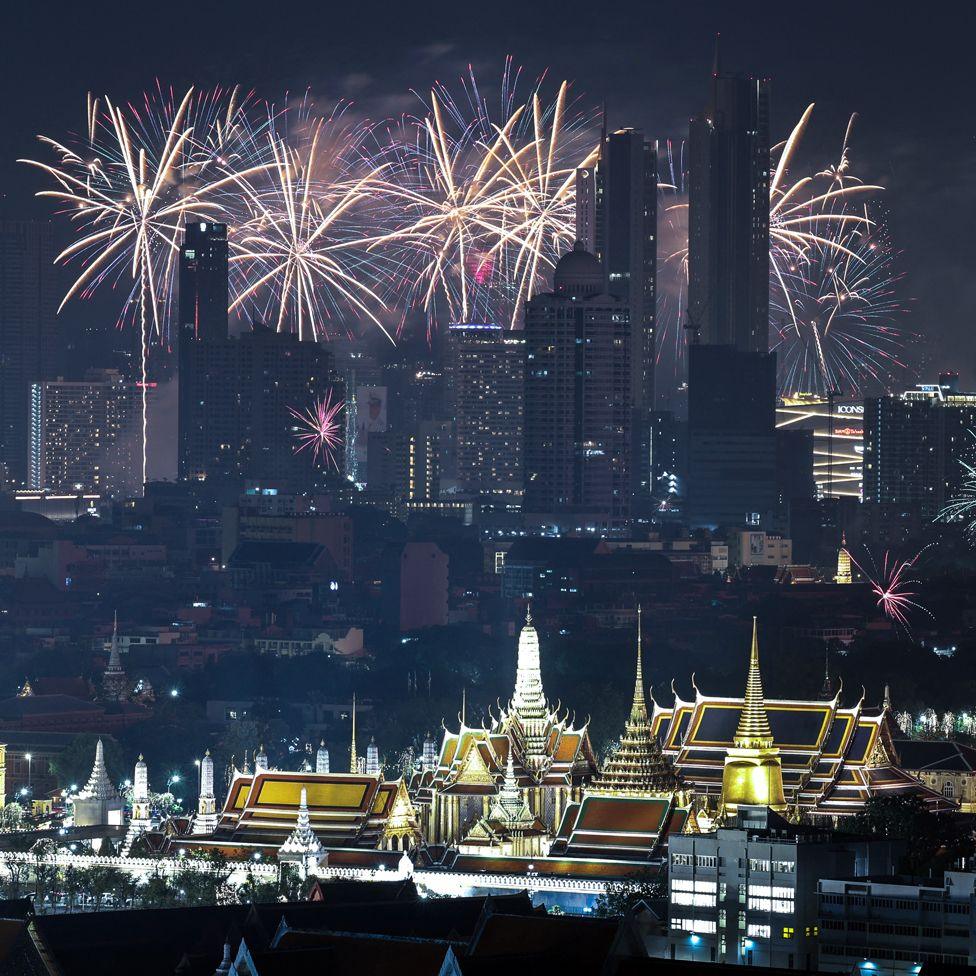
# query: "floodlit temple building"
{"points": [[551, 759], [810, 758]]}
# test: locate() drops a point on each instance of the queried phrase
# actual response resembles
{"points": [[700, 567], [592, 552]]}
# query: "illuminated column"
{"points": [[205, 821]]}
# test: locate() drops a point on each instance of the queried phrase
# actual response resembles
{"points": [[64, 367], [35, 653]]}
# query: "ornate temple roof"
{"points": [[638, 767], [343, 810], [546, 749], [829, 753]]}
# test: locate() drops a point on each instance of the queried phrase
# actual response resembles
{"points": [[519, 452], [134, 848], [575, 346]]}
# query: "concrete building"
{"points": [[84, 435], [896, 926], [748, 548], [747, 894]]}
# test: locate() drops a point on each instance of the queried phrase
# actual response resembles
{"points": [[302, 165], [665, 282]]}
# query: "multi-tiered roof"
{"points": [[638, 767]]}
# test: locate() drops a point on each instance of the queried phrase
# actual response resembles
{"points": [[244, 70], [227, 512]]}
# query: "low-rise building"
{"points": [[747, 894], [896, 925]]}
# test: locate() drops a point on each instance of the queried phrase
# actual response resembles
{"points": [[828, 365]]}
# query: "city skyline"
{"points": [[653, 82]]}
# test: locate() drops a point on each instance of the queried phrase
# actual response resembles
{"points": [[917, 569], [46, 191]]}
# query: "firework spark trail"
{"points": [[302, 249], [490, 205], [320, 429], [833, 313], [891, 585], [128, 187], [962, 508], [832, 307]]}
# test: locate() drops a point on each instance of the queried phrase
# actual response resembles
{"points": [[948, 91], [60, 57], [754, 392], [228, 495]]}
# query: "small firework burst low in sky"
{"points": [[319, 430], [893, 585]]}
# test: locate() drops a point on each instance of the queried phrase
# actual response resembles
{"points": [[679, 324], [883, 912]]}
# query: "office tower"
{"points": [[732, 442], [837, 426], [207, 441], [617, 221], [403, 468], [728, 216], [731, 374], [85, 436], [28, 303], [914, 443], [577, 403], [486, 373]]}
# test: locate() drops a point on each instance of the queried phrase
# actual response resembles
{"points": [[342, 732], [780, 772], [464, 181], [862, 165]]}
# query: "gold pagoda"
{"points": [[753, 773], [843, 574], [638, 767]]}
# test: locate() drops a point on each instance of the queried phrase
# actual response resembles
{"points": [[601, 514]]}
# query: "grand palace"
{"points": [[526, 797]]}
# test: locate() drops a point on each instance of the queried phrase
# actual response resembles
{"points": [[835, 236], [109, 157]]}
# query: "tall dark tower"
{"points": [[617, 219], [202, 332], [731, 373], [728, 216]]}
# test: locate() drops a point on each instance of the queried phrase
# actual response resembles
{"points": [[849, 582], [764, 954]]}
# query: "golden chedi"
{"points": [[753, 774]]}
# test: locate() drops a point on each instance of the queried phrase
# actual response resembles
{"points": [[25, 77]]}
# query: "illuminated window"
{"points": [[787, 932]]}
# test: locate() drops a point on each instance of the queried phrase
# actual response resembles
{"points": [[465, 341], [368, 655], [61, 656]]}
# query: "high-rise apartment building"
{"points": [[617, 222], [485, 378], [578, 410], [28, 303], [85, 436], [914, 446]]}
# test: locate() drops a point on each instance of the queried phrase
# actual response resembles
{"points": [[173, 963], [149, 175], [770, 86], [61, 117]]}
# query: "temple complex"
{"points": [[551, 759], [829, 758]]}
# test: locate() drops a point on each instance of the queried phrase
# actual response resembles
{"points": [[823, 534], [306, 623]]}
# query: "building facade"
{"points": [[84, 436], [486, 371], [578, 412]]}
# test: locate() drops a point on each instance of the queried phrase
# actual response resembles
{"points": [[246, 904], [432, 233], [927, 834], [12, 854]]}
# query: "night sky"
{"points": [[908, 73]]}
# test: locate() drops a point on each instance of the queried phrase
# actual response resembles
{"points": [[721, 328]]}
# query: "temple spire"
{"points": [[529, 700], [754, 730], [353, 758], [638, 767]]}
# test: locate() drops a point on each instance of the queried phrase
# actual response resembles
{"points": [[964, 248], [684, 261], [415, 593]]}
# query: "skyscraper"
{"points": [[235, 393], [731, 373], [578, 409], [84, 435], [27, 340], [486, 371], [617, 221], [728, 216], [203, 348]]}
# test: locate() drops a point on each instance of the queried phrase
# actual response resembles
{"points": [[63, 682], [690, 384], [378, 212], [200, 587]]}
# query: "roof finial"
{"points": [[464, 703], [528, 614], [639, 705], [753, 730], [886, 703]]}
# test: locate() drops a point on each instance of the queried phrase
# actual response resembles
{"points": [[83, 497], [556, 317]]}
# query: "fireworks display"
{"points": [[962, 508], [129, 184], [489, 206], [893, 584], [300, 253], [319, 430], [833, 306]]}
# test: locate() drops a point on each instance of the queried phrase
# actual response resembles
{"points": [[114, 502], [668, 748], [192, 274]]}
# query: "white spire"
{"points": [[322, 758], [260, 761], [99, 786], [529, 700], [372, 759], [429, 755], [302, 845], [205, 821], [140, 782]]}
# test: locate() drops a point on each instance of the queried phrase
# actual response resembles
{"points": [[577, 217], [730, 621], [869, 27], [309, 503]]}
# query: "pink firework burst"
{"points": [[893, 585], [320, 429]]}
